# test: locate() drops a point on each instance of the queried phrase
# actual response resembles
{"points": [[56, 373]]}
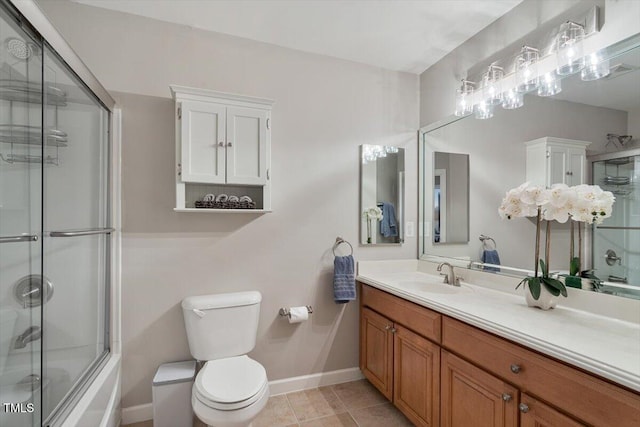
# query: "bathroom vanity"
{"points": [[479, 356]]}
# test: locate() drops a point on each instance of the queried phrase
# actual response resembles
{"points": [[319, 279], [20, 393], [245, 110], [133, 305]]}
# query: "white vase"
{"points": [[546, 300]]}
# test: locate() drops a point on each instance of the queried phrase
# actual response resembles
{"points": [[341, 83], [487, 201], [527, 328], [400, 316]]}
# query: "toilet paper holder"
{"points": [[284, 312]]}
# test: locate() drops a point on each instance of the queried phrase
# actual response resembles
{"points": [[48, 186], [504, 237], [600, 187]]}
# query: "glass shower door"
{"points": [[616, 243], [75, 240], [21, 151]]}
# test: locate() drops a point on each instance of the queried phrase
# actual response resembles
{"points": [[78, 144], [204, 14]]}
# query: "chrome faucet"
{"points": [[450, 278], [31, 334]]}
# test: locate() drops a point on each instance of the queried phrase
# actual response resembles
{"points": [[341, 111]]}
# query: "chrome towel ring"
{"points": [[339, 241]]}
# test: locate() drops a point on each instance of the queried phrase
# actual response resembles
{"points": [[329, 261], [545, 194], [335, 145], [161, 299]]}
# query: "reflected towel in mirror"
{"points": [[388, 224], [490, 256]]}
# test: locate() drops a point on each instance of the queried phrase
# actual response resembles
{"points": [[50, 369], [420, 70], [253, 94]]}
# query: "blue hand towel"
{"points": [[490, 257], [388, 224], [344, 279]]}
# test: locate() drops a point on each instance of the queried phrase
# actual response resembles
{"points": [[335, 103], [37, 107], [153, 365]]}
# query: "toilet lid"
{"points": [[234, 381]]}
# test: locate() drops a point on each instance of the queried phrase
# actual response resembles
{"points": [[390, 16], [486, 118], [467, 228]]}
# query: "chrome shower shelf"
{"points": [[31, 135], [30, 92], [26, 158]]}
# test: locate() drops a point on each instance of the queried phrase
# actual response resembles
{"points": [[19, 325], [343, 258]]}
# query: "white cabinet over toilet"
{"points": [[556, 161], [223, 144]]}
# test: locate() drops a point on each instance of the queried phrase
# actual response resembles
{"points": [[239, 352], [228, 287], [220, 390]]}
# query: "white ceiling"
{"points": [[403, 35]]}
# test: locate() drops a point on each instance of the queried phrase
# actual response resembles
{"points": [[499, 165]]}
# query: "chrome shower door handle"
{"points": [[21, 238], [83, 232]]}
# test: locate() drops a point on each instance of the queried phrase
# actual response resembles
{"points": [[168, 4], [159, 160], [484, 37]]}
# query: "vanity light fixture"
{"points": [[569, 48], [483, 110], [391, 149], [492, 85], [527, 69], [512, 99], [549, 85], [595, 68], [464, 104]]}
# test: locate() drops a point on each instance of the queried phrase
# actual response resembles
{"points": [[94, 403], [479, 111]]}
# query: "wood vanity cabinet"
{"points": [[472, 397], [537, 414], [400, 362], [441, 371]]}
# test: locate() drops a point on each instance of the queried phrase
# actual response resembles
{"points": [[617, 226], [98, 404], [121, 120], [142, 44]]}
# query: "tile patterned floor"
{"points": [[353, 404]]}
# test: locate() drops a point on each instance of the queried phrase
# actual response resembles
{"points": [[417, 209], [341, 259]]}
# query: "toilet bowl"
{"points": [[231, 388]]}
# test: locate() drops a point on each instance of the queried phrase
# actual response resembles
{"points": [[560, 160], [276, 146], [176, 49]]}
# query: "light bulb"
{"points": [[569, 48]]}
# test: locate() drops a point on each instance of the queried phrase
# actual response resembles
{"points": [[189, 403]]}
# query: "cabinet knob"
{"points": [[386, 328], [515, 369], [220, 144], [524, 408], [569, 173], [393, 330], [229, 144], [506, 397]]}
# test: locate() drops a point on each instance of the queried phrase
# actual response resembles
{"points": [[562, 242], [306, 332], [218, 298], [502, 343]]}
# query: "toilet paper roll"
{"points": [[298, 314]]}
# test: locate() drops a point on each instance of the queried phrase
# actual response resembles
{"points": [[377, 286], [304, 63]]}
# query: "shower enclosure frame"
{"points": [[629, 152], [99, 386]]}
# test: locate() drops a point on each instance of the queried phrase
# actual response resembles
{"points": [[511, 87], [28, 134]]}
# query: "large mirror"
{"points": [[450, 198], [381, 194], [588, 133]]}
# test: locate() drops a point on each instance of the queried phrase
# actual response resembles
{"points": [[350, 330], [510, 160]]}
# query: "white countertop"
{"points": [[599, 344]]}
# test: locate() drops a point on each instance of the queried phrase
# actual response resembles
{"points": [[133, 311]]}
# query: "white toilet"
{"points": [[231, 389]]}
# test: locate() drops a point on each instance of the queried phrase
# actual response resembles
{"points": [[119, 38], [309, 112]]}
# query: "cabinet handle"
{"points": [[506, 397], [515, 369], [229, 144], [524, 408]]}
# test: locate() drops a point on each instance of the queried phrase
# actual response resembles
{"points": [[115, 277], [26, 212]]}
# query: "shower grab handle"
{"points": [[85, 232], [22, 238]]}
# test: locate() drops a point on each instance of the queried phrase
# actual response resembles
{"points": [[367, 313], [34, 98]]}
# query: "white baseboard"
{"points": [[136, 414], [305, 382]]}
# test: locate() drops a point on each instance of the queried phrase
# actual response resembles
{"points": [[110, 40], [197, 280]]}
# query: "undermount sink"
{"points": [[434, 287]]}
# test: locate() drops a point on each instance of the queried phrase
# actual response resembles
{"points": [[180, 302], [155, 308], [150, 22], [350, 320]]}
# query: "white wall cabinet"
{"points": [[223, 144], [556, 161]]}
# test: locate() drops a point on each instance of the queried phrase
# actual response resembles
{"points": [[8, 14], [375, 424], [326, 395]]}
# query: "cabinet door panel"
{"points": [[246, 146], [537, 414], [472, 397], [577, 173], [557, 166], [203, 128], [416, 381], [376, 350]]}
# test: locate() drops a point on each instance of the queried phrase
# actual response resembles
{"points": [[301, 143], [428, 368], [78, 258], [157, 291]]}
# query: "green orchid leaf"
{"points": [[534, 287], [543, 267], [525, 280], [588, 274], [550, 286], [574, 266]]}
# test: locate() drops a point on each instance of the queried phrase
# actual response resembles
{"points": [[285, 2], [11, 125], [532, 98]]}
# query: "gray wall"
{"points": [[325, 108]]}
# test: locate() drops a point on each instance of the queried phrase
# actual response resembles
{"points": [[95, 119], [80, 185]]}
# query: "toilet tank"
{"points": [[221, 325]]}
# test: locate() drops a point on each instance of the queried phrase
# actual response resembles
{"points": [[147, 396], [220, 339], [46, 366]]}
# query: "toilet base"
{"points": [[236, 418]]}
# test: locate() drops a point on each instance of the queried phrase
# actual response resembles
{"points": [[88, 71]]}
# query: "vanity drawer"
{"points": [[415, 317], [583, 396]]}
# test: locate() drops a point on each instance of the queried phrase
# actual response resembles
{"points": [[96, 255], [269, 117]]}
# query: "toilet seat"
{"points": [[231, 383]]}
